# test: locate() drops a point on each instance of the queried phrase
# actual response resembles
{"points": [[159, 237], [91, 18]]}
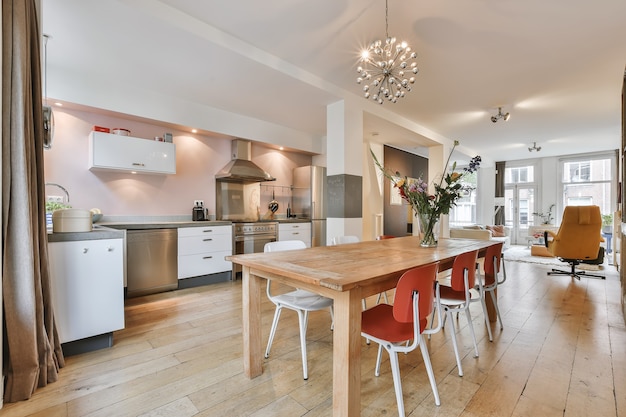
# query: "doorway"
{"points": [[520, 192]]}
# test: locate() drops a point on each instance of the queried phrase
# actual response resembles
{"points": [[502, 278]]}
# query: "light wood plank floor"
{"points": [[562, 353]]}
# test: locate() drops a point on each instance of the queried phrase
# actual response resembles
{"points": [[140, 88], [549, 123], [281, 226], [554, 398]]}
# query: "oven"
{"points": [[251, 237]]}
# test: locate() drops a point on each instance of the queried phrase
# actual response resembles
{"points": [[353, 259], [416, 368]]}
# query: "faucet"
{"points": [[67, 195]]}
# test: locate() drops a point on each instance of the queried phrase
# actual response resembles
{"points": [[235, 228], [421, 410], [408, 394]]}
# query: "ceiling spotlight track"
{"points": [[387, 68], [534, 147], [500, 115]]}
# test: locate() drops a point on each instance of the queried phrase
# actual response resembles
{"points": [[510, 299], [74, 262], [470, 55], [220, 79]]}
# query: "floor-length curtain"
{"points": [[32, 353], [499, 217]]}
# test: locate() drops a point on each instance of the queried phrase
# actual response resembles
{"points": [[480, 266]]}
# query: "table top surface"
{"points": [[343, 267]]}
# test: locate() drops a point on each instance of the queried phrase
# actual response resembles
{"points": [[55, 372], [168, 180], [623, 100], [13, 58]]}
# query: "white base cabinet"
{"points": [[201, 250], [87, 278], [125, 153], [295, 231]]}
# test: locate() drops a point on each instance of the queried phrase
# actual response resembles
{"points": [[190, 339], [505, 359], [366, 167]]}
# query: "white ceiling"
{"points": [[557, 66]]}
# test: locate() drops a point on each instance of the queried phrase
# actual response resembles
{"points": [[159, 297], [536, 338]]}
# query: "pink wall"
{"points": [[198, 158]]}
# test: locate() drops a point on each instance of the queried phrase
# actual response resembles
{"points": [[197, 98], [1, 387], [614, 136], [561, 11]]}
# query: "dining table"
{"points": [[347, 274]]}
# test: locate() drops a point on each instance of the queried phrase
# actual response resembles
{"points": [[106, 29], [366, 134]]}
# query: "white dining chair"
{"points": [[300, 301], [341, 240]]}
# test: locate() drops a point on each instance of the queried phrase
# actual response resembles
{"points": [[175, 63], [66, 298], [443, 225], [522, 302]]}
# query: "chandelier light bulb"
{"points": [[384, 63]]}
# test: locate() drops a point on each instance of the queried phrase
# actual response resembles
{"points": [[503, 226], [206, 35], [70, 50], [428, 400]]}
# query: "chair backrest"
{"points": [[340, 240], [463, 262], [491, 267], [283, 245], [421, 279], [579, 235], [381, 237]]}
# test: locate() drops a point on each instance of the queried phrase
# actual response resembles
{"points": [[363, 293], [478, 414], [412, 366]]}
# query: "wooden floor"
{"points": [[562, 353]]}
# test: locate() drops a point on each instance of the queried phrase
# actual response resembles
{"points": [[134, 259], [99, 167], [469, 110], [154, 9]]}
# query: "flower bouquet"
{"points": [[428, 208]]}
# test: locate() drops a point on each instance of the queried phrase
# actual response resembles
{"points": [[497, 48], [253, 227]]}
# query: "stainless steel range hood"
{"points": [[241, 168]]}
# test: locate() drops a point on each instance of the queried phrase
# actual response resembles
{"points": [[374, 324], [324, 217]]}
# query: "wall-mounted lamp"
{"points": [[500, 115], [534, 147]]}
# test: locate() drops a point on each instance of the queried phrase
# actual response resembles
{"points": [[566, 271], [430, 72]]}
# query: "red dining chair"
{"points": [[489, 281], [300, 301], [457, 297], [417, 295]]}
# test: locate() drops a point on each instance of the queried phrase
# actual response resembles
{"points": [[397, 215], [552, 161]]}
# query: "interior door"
{"points": [[519, 205]]}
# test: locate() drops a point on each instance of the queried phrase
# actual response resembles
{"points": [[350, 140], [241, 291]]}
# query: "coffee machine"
{"points": [[198, 212]]}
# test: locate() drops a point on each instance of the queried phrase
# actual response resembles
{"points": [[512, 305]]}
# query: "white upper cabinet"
{"points": [[125, 153]]}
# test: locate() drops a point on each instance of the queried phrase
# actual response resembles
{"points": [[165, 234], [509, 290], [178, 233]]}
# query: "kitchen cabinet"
{"points": [[295, 231], [125, 153], [201, 250], [87, 281]]}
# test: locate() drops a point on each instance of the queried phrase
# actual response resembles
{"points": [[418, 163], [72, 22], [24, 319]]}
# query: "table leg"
{"points": [[347, 354], [251, 297], [491, 309]]}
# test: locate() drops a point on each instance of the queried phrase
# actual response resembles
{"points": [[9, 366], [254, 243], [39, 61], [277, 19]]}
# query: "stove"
{"points": [[251, 237]]}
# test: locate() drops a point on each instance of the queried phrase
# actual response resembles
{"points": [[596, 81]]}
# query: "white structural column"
{"points": [[344, 150]]}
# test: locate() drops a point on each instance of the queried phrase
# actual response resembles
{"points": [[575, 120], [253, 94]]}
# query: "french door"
{"points": [[519, 207]]}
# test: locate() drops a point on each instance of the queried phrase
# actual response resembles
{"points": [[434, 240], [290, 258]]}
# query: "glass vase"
{"points": [[429, 229]]}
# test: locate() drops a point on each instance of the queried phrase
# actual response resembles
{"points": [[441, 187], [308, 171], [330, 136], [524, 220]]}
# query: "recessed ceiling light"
{"points": [[281, 148], [59, 104], [194, 130]]}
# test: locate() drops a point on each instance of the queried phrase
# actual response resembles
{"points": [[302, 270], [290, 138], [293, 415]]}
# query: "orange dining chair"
{"points": [[457, 297], [489, 281], [392, 327], [300, 301]]}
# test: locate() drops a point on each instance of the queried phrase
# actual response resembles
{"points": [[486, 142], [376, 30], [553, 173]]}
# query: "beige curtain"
{"points": [[32, 352]]}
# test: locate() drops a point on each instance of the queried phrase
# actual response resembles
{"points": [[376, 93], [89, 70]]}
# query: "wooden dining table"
{"points": [[347, 274]]}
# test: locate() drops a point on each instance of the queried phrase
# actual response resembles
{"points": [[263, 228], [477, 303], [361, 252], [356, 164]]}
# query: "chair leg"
{"points": [[397, 382], [429, 369], [471, 329], [379, 359], [486, 315], [384, 295], [272, 331], [302, 318], [495, 304], [454, 345]]}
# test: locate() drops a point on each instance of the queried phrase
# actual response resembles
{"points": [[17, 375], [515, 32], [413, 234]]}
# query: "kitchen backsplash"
{"points": [[198, 158]]}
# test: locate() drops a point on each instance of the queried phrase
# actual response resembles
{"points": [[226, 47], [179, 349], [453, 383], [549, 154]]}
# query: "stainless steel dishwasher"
{"points": [[152, 264]]}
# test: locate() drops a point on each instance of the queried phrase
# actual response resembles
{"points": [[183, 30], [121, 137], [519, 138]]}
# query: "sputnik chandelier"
{"points": [[384, 67]]}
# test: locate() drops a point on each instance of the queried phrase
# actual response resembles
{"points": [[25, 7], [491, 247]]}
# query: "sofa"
{"points": [[497, 233]]}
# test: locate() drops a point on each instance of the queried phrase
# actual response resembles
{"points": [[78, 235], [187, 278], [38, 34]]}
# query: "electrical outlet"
{"points": [[198, 203], [54, 199]]}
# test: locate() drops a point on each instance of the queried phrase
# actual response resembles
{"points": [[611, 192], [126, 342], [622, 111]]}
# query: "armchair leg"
{"points": [[574, 273]]}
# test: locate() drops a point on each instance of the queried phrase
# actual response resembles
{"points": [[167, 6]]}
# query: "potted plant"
{"points": [[52, 206], [546, 218]]}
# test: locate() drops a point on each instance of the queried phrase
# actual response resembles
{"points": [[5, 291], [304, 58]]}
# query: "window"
{"points": [[589, 180], [464, 213], [519, 175]]}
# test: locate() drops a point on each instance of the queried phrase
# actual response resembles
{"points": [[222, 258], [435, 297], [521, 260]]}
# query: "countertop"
{"points": [[115, 229], [130, 225], [98, 233]]}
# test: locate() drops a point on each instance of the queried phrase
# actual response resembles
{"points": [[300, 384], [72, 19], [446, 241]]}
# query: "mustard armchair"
{"points": [[578, 240]]}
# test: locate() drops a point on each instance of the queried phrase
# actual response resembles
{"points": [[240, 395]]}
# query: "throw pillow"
{"points": [[497, 231]]}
